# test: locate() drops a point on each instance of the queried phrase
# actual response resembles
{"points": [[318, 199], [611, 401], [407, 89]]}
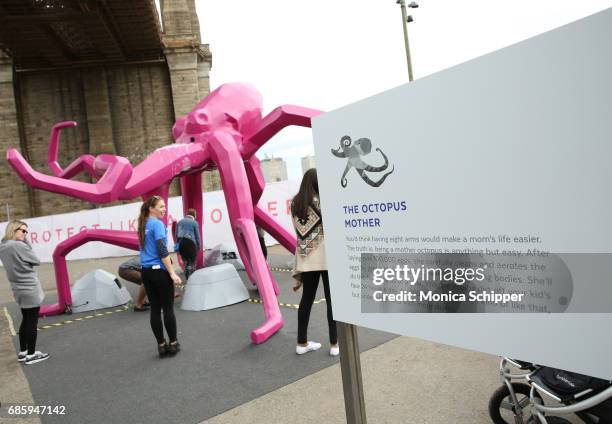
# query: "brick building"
{"points": [[274, 169], [308, 162]]}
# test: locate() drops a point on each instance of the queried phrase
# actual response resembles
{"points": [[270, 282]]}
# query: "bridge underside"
{"points": [[47, 34], [103, 63]]}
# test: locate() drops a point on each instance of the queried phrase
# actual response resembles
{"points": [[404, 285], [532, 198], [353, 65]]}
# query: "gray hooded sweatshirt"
{"points": [[19, 260]]}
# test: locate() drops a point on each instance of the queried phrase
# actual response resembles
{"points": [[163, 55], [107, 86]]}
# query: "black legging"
{"points": [[160, 290], [188, 251], [264, 249], [310, 283], [27, 330]]}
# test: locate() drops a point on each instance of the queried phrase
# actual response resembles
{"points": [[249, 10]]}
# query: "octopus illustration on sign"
{"points": [[354, 151], [223, 131]]}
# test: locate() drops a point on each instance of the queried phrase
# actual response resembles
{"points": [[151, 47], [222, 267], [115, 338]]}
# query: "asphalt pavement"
{"points": [[104, 367]]}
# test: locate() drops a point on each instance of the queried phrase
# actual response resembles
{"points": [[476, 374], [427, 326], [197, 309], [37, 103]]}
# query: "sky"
{"points": [[325, 54]]}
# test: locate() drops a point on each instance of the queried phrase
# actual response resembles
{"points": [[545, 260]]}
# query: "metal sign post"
{"points": [[350, 365]]}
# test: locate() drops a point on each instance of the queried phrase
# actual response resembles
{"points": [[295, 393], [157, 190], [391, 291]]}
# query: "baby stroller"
{"points": [[588, 398]]}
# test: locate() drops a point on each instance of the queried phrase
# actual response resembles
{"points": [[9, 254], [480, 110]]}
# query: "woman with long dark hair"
{"points": [[158, 275], [310, 262], [19, 261]]}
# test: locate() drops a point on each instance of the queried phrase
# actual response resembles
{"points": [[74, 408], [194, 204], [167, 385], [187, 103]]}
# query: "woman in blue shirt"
{"points": [[158, 275]]}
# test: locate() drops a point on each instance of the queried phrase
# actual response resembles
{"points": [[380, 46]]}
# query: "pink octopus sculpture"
{"points": [[223, 131]]}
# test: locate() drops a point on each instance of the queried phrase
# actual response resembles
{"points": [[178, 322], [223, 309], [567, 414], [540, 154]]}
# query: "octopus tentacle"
{"points": [[343, 180], [378, 168], [365, 177], [338, 153]]}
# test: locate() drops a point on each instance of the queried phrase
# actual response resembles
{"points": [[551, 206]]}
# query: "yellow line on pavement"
{"points": [[10, 322], [280, 269], [81, 318], [286, 305]]}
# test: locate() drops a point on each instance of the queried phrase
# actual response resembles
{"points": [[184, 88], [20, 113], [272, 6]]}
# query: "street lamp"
{"points": [[405, 21]]}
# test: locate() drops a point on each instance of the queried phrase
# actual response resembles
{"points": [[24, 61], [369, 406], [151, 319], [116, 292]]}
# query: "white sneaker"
{"points": [[334, 351], [21, 356], [300, 350], [38, 356]]}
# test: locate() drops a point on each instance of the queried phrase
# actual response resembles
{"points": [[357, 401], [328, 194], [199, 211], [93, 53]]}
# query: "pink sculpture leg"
{"points": [[256, 183], [256, 186], [54, 165], [84, 163], [275, 121], [223, 130], [104, 191], [191, 187], [127, 239], [276, 230], [240, 207], [262, 218]]}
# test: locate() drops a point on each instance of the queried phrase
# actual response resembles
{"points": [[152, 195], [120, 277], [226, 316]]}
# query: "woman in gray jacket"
{"points": [[19, 259]]}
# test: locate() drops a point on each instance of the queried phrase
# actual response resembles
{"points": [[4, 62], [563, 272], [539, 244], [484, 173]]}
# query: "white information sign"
{"points": [[503, 163]]}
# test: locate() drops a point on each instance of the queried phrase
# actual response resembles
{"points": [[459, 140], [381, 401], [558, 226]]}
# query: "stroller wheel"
{"points": [[503, 411]]}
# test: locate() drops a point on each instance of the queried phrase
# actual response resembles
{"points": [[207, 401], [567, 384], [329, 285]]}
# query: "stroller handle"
{"points": [[502, 367]]}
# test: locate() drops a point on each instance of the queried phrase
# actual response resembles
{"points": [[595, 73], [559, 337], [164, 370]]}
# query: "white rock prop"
{"points": [[98, 289], [213, 287]]}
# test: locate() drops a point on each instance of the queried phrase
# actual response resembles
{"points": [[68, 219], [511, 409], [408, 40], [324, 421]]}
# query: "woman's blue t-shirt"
{"points": [[154, 230]]}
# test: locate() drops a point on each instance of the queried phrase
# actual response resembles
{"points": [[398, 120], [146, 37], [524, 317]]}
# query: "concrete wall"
{"points": [[13, 193], [124, 110], [43, 100]]}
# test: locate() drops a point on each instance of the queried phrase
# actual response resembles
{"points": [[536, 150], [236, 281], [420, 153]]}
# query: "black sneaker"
{"points": [[38, 356], [173, 348], [142, 308], [162, 349]]}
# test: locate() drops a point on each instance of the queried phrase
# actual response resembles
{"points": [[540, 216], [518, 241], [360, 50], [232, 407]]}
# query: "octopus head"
{"points": [[234, 107], [363, 146]]}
